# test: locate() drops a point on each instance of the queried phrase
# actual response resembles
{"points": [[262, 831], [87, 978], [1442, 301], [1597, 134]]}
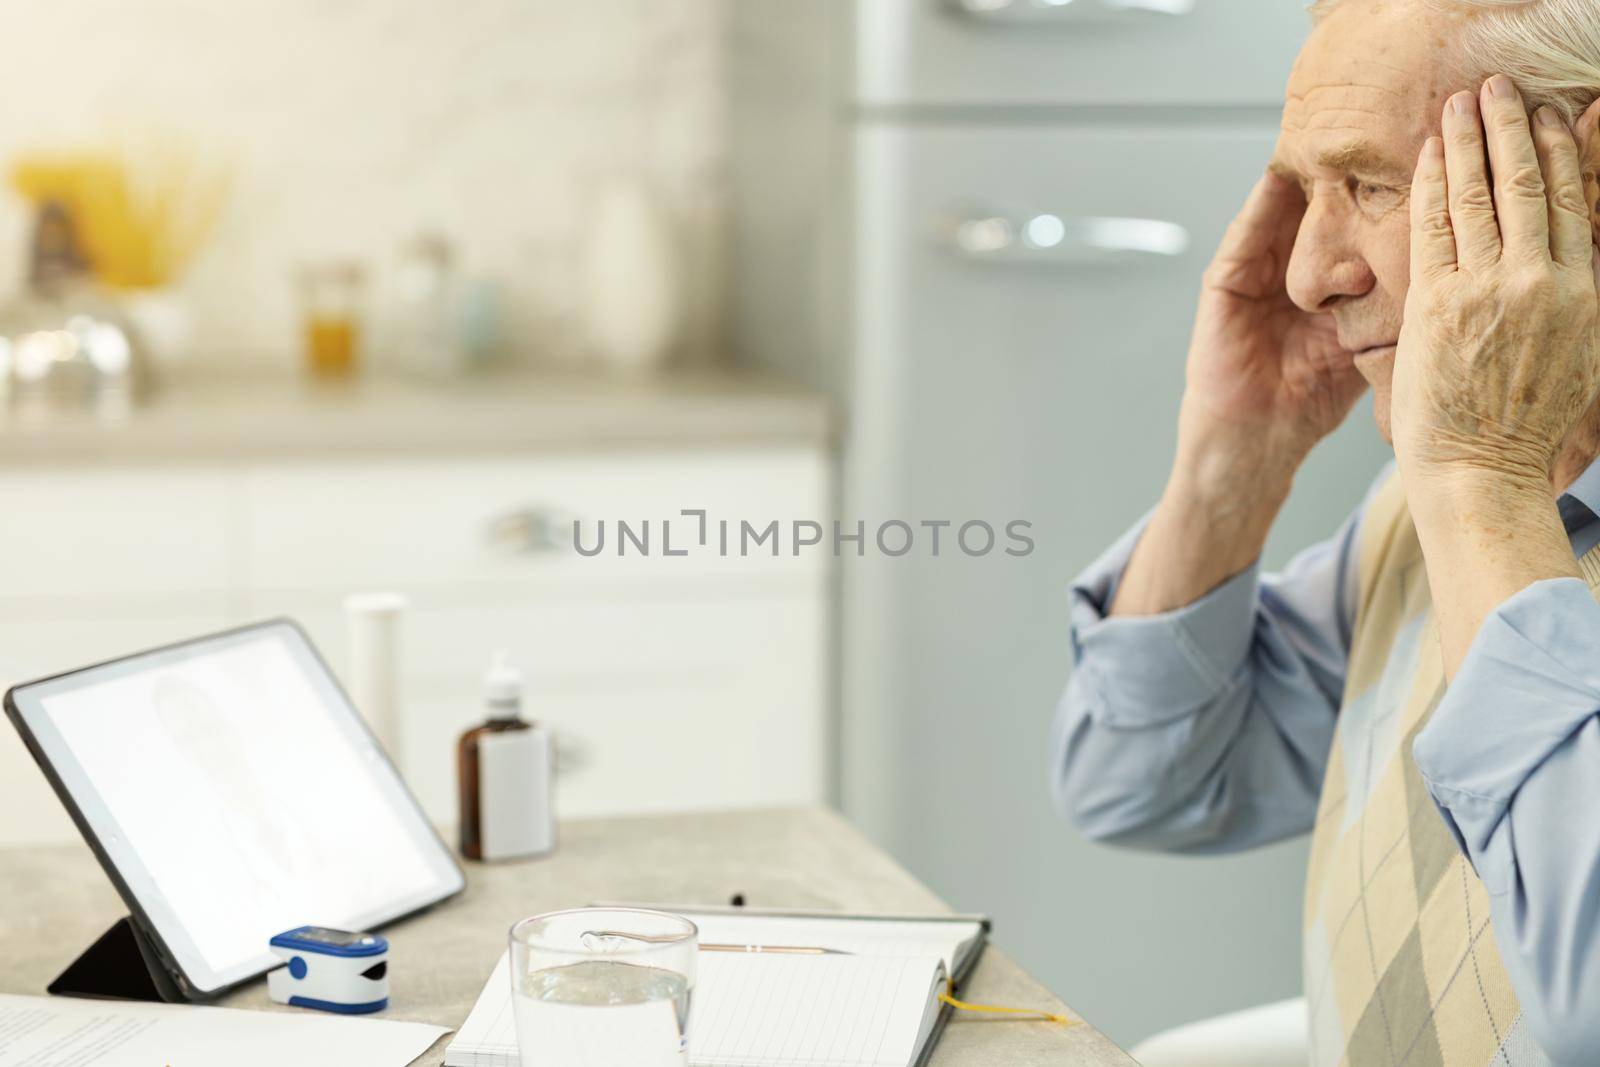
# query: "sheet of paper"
{"points": [[68, 1032], [843, 1011], [839, 1011], [489, 1036]]}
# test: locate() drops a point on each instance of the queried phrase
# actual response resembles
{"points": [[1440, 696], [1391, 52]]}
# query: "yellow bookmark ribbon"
{"points": [[1024, 1014]]}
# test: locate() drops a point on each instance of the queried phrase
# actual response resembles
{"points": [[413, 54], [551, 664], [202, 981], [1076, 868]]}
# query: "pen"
{"points": [[785, 950]]}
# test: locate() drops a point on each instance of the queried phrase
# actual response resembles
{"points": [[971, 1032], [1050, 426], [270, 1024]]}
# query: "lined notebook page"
{"points": [[777, 1011], [798, 1011], [868, 1009], [489, 1036]]}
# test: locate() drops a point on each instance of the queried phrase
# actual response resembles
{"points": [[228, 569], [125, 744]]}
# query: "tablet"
{"points": [[231, 792]]}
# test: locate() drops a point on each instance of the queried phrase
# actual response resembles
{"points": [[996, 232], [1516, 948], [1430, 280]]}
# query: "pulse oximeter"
{"points": [[330, 970]]}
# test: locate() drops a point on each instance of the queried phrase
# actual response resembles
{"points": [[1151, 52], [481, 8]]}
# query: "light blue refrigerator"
{"points": [[981, 225]]}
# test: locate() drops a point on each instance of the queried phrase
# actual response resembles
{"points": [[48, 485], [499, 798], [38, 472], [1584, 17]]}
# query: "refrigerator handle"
{"points": [[1035, 12], [1049, 240]]}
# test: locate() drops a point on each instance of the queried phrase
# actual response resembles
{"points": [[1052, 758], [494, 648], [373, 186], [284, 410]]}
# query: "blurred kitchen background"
{"points": [[310, 299]]}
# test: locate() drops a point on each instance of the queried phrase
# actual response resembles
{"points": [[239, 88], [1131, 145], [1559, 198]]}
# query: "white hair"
{"points": [[1550, 48]]}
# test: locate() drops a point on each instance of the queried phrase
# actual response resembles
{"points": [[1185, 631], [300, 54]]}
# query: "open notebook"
{"points": [[877, 1006]]}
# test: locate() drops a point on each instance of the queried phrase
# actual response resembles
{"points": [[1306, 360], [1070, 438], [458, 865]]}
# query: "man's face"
{"points": [[1366, 91]]}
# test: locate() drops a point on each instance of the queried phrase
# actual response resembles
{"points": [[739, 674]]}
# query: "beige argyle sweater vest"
{"points": [[1401, 966]]}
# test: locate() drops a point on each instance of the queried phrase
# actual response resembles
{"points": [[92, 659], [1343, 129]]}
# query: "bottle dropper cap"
{"points": [[502, 688]]}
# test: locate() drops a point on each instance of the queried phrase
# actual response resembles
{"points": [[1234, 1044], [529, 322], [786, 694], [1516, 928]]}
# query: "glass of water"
{"points": [[603, 987]]}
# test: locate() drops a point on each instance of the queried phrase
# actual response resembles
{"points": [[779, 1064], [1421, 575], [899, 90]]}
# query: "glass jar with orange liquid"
{"points": [[330, 296]]}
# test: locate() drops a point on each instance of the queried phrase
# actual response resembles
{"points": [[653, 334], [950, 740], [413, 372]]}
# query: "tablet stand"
{"points": [[120, 965]]}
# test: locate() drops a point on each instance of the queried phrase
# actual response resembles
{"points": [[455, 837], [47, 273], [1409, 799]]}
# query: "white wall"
{"points": [[352, 124]]}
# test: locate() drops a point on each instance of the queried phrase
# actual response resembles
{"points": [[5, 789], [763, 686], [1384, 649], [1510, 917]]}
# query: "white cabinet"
{"points": [[98, 534], [676, 681], [424, 524]]}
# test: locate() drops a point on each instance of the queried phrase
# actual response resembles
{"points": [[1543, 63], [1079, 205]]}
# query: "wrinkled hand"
{"points": [[1275, 376], [1499, 357], [1266, 381]]}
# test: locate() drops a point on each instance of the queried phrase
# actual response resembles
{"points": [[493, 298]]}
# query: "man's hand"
{"points": [[1499, 358], [1266, 382], [1264, 377]]}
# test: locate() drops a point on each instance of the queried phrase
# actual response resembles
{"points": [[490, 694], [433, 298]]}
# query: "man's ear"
{"points": [[1588, 131]]}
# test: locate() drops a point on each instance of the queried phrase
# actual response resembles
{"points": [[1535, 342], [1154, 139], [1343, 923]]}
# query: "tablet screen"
{"points": [[233, 788]]}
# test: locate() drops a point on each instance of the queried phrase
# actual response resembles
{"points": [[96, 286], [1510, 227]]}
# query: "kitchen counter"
{"points": [[272, 418]]}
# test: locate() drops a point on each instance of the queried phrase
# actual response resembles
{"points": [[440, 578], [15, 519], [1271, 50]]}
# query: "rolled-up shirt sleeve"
{"points": [[1205, 729], [1147, 668], [1511, 757]]}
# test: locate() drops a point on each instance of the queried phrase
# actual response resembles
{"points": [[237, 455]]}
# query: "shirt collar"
{"points": [[1585, 492]]}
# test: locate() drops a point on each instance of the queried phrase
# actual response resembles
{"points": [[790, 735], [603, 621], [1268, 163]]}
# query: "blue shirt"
{"points": [[1208, 729]]}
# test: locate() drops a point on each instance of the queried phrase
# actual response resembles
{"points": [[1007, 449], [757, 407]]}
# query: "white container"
{"points": [[374, 622], [632, 302], [422, 319]]}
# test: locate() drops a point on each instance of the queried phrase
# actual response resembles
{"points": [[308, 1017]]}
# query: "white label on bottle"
{"points": [[515, 809]]}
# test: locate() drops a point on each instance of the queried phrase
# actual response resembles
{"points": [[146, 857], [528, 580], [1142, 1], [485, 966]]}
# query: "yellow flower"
{"points": [[139, 221]]}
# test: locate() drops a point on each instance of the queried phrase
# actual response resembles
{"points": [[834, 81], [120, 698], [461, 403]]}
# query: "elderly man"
{"points": [[1422, 691]]}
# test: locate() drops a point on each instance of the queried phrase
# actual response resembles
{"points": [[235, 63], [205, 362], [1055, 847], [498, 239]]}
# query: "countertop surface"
{"points": [[271, 417], [58, 902]]}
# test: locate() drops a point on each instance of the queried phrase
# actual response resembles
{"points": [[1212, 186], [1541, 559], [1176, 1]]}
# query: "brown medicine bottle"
{"points": [[504, 772]]}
